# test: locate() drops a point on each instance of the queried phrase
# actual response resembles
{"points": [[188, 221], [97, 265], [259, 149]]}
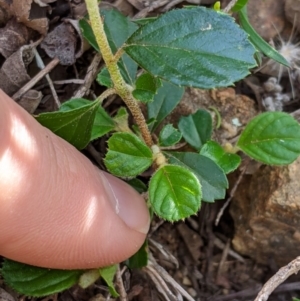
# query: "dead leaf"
{"points": [[12, 37], [5, 296], [31, 14], [124, 7], [30, 100], [139, 5], [78, 7], [84, 45], [61, 43], [5, 13], [13, 74]]}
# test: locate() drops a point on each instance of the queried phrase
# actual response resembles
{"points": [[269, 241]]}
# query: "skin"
{"points": [[57, 209]]}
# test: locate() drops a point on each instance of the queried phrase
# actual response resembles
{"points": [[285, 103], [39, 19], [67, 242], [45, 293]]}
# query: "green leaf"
{"points": [[75, 126], [212, 178], [127, 155], [138, 185], [196, 128], [214, 151], [117, 28], [37, 282], [217, 6], [103, 78], [169, 135], [88, 278], [174, 193], [140, 258], [258, 41], [146, 87], [239, 5], [103, 123], [196, 47], [165, 101], [88, 34], [108, 274], [271, 138], [121, 120], [143, 21]]}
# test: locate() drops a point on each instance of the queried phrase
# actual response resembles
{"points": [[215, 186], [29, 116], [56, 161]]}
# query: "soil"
{"points": [[197, 253]]}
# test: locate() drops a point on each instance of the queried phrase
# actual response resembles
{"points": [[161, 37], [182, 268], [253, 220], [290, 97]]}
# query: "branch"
{"points": [[292, 268]]}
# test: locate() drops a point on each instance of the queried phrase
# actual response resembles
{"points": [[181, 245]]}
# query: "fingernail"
{"points": [[127, 203]]}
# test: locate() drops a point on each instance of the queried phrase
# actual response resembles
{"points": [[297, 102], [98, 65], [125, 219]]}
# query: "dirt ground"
{"points": [[197, 253]]}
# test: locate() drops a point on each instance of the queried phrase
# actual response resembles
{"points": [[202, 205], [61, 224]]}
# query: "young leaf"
{"points": [[271, 138], [127, 155], [75, 126], [217, 6], [169, 135], [103, 123], [212, 178], [103, 78], [196, 47], [196, 128], [140, 258], [117, 28], [165, 101], [214, 151], [37, 282], [146, 87], [138, 185], [88, 278], [121, 120], [108, 274], [258, 41], [174, 193]]}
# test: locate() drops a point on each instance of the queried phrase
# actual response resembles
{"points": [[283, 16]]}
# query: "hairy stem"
{"points": [[120, 86], [105, 94]]}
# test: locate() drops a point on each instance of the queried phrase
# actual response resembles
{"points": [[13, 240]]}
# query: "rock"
{"points": [[266, 213]]}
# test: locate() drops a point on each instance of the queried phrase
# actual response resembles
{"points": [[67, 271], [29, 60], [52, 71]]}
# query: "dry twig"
{"points": [[167, 278], [223, 258], [161, 284], [41, 65], [232, 192], [165, 253], [292, 268], [229, 6], [91, 73], [219, 244], [171, 4], [36, 79], [120, 284], [152, 6]]}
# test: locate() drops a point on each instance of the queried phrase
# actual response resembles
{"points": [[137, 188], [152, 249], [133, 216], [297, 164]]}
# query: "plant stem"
{"points": [[118, 54], [120, 86], [105, 94]]}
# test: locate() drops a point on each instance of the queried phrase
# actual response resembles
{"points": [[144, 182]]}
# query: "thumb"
{"points": [[57, 209]]}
